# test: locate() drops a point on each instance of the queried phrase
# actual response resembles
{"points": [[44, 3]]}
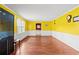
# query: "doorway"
{"points": [[38, 29]]}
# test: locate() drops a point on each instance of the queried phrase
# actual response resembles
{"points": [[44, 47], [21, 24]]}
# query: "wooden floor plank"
{"points": [[43, 45]]}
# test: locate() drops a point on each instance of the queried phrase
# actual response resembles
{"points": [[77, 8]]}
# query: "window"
{"points": [[20, 26]]}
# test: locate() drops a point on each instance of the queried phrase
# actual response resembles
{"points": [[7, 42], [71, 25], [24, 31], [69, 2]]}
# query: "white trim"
{"points": [[41, 33], [20, 36], [31, 33]]}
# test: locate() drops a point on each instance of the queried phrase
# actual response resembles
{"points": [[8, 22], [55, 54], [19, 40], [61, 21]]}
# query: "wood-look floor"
{"points": [[43, 45]]}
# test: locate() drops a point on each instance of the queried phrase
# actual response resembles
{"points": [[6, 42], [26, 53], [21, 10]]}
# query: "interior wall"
{"points": [[67, 32], [31, 25], [45, 25], [62, 25]]}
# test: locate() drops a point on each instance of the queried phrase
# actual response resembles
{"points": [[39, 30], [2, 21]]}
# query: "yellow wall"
{"points": [[15, 25], [45, 25], [26, 25], [63, 26], [31, 25]]}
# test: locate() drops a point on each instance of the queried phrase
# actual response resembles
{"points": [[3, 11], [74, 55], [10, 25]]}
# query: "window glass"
{"points": [[20, 26]]}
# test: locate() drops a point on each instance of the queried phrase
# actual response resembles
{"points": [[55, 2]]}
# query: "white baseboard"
{"points": [[20, 36], [41, 33]]}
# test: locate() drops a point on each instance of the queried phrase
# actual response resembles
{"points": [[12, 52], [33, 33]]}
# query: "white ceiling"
{"points": [[41, 11]]}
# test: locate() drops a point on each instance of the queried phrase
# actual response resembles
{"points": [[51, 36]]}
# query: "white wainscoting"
{"points": [[31, 33]]}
